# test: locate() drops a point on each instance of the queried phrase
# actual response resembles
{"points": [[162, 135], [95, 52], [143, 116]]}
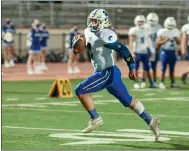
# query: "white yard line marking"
{"points": [[97, 96], [12, 99], [149, 94], [41, 98], [147, 90], [110, 113], [47, 129], [174, 93], [74, 103], [164, 133]]}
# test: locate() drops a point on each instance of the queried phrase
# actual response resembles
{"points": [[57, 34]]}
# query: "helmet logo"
{"points": [[105, 13], [110, 38]]}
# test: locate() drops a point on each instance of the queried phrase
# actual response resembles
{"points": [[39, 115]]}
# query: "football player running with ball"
{"points": [[100, 41]]}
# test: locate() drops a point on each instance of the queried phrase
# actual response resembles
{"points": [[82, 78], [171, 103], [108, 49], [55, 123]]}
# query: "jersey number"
{"points": [[142, 40], [172, 43], [89, 50]]}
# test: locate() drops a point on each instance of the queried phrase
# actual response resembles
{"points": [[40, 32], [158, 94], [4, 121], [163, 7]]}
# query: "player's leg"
{"points": [[137, 63], [94, 83], [154, 66], [146, 68], [164, 67], [12, 55], [119, 90], [6, 56], [172, 63], [185, 74], [143, 84]]}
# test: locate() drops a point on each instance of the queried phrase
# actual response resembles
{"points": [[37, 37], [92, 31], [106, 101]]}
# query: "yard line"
{"points": [[47, 129], [41, 98], [163, 100], [12, 99], [110, 113]]}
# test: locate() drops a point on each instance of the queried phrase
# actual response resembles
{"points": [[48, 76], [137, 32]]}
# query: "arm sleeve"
{"points": [[160, 33], [183, 29], [111, 42]]}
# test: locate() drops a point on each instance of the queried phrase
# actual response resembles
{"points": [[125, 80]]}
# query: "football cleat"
{"points": [[136, 86], [143, 85], [154, 126], [162, 85], [93, 124]]}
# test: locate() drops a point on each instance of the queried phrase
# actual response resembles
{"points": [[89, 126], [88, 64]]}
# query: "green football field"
{"points": [[32, 120]]}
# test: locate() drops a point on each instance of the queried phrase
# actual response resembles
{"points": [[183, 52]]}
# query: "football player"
{"points": [[141, 47], [185, 47], [100, 41], [168, 38], [8, 32], [153, 27]]}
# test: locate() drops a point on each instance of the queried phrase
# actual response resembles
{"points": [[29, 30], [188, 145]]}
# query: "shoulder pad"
{"points": [[185, 28], [132, 31], [108, 36], [161, 32]]}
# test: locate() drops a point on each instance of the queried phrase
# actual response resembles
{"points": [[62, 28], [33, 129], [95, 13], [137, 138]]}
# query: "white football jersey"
{"points": [[152, 30], [185, 29], [142, 41], [171, 44], [101, 57]]}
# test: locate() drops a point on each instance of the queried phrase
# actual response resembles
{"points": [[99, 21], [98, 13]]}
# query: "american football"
{"points": [[79, 44]]}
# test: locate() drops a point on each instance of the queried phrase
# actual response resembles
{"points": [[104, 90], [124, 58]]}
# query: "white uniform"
{"points": [[185, 29], [142, 39], [171, 44], [101, 57], [152, 30]]}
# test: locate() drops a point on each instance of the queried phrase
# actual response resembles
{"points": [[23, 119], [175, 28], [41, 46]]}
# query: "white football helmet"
{"points": [[170, 23], [152, 18], [139, 21], [98, 19]]}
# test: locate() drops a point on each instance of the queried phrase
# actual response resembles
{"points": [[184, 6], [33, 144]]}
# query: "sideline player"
{"points": [[139, 37], [168, 38], [72, 68], [185, 47], [153, 27], [100, 41], [8, 32]]}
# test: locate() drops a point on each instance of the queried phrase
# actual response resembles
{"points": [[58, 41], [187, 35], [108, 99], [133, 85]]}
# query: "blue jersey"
{"points": [[34, 36], [71, 36], [44, 38], [7, 29]]}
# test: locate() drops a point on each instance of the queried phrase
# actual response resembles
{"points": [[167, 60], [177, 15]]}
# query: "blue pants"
{"points": [[168, 58], [154, 63], [109, 79], [144, 58]]}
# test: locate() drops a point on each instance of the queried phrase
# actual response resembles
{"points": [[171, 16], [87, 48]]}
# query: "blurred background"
{"points": [[60, 16]]}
